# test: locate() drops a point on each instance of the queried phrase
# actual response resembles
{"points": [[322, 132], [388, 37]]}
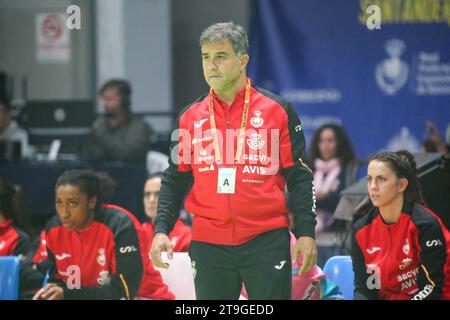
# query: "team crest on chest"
{"points": [[255, 141], [101, 259], [257, 121], [406, 247]]}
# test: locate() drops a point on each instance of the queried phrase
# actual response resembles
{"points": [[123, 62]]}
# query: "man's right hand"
{"points": [[160, 244]]}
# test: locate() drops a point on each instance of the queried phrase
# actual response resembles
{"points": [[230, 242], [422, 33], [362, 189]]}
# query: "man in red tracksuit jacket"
{"points": [[235, 149]]}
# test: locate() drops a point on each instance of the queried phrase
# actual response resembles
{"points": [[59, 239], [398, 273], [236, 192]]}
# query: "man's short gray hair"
{"points": [[226, 31]]}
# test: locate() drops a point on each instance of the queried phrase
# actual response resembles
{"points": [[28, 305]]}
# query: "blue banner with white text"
{"points": [[380, 84]]}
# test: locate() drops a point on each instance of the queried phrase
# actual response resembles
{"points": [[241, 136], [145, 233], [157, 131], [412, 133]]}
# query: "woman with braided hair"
{"points": [[401, 249], [96, 251]]}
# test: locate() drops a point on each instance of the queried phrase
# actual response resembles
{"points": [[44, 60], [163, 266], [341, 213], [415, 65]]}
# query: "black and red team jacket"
{"points": [[258, 204], [409, 259], [13, 241], [108, 260]]}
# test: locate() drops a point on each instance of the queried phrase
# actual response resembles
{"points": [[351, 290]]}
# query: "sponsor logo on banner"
{"points": [[392, 73], [403, 140], [255, 141], [257, 121]]}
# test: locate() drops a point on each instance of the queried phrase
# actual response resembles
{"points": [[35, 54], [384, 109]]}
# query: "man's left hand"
{"points": [[306, 246]]}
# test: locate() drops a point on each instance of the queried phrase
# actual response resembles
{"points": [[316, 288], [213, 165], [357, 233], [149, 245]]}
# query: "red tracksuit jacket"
{"points": [[410, 258], [267, 162], [109, 260], [13, 241], [180, 237]]}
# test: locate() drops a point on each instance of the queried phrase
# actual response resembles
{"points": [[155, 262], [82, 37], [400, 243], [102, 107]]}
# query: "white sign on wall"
{"points": [[53, 38]]}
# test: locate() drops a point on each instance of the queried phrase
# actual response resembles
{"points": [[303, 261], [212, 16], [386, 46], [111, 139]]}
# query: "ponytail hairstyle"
{"points": [[12, 206], [403, 165], [93, 184]]}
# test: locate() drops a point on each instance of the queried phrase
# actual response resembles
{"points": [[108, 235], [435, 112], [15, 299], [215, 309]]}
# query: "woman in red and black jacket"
{"points": [[96, 251], [14, 229], [401, 249]]}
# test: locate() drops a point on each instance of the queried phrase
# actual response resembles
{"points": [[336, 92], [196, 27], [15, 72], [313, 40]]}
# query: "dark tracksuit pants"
{"points": [[262, 264]]}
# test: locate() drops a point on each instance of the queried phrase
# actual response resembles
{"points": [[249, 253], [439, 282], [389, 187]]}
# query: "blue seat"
{"points": [[9, 278], [340, 271]]}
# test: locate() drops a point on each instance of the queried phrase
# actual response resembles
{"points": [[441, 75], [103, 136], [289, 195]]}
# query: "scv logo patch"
{"points": [[127, 249], [434, 243]]}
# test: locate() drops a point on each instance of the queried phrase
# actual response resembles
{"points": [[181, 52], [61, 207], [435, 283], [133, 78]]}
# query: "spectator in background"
{"points": [[118, 135], [114, 262], [180, 236], [433, 141], [331, 159], [10, 131]]}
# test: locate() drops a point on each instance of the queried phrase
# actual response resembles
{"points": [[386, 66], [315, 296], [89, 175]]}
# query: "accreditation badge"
{"points": [[226, 180]]}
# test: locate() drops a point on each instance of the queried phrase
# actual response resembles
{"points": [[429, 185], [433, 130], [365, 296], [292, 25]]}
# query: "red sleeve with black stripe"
{"points": [[433, 238], [299, 178], [177, 178]]}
